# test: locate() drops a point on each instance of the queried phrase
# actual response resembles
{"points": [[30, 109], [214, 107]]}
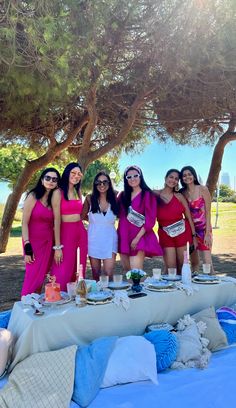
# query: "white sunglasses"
{"points": [[133, 176]]}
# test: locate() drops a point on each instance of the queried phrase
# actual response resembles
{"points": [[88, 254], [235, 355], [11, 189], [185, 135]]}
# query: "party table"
{"points": [[67, 324]]}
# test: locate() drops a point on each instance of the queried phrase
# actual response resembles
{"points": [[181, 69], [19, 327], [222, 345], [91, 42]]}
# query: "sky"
{"points": [[157, 158]]}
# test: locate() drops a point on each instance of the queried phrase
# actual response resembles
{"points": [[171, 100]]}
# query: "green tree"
{"points": [[226, 191], [109, 163]]}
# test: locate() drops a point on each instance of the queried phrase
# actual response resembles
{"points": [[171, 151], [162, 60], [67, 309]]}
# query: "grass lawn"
{"points": [[224, 237]]}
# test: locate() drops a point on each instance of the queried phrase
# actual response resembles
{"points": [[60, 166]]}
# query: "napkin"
{"points": [[188, 289], [31, 300], [121, 299]]}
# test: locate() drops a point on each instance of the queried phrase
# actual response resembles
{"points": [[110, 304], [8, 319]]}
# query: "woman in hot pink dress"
{"points": [[199, 201], [69, 229], [37, 231], [137, 218]]}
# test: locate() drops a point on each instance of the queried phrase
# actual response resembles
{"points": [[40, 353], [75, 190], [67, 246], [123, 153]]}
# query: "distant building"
{"points": [[225, 179]]}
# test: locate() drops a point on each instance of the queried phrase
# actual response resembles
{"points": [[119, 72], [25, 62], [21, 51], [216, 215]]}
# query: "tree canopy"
{"points": [[93, 75]]}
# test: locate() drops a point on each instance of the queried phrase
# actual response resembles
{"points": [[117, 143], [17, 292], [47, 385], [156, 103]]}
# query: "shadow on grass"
{"points": [[16, 231]]}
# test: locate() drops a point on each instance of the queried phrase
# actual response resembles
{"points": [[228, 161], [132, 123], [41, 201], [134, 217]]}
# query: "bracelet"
{"points": [[194, 235], [58, 247], [26, 240]]}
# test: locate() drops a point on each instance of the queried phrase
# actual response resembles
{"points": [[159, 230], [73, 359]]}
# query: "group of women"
{"points": [[53, 229]]}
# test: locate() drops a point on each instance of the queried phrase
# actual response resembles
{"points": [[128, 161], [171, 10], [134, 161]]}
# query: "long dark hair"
{"points": [[111, 196], [64, 185], [39, 190], [193, 171], [126, 194], [161, 202]]}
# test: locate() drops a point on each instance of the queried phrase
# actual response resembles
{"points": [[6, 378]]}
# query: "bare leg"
{"points": [[136, 262], [125, 262], [96, 267], [170, 258], [180, 258], [195, 261], [109, 264]]}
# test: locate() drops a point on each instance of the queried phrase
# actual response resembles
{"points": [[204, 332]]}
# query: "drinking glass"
{"points": [[206, 268], [71, 289], [172, 272], [156, 273], [104, 279], [117, 278]]}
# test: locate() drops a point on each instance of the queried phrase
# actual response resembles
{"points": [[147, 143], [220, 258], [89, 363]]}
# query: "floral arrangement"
{"points": [[135, 274]]}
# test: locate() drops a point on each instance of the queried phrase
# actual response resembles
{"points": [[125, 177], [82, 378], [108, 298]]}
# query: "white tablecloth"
{"points": [[61, 326]]}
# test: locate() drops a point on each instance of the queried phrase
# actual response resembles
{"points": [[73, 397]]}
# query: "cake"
{"points": [[52, 292]]}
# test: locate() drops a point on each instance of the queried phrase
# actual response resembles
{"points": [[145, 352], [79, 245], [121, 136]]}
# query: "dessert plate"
{"points": [[203, 279], [160, 285], [119, 286], [65, 298], [99, 296], [172, 278], [98, 302]]}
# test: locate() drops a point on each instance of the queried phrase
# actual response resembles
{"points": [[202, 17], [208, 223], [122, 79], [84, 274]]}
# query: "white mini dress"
{"points": [[102, 235]]}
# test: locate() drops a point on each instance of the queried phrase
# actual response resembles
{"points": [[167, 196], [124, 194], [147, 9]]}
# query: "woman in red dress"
{"points": [[172, 208]]}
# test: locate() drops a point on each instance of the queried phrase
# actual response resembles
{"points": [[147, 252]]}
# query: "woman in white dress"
{"points": [[101, 209]]}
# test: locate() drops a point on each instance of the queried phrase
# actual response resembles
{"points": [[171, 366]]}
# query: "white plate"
{"points": [[206, 277], [101, 302], [121, 286], [65, 299], [99, 296], [169, 289], [160, 285], [205, 282], [172, 278]]}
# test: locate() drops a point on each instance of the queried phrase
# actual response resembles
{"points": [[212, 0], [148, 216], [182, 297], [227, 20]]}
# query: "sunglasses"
{"points": [[103, 182], [49, 178], [133, 176]]}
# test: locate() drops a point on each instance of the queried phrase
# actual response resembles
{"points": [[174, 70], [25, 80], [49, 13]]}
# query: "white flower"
{"points": [[135, 274]]}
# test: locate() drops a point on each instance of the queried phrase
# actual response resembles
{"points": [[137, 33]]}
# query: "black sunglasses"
{"points": [[103, 182], [49, 178]]}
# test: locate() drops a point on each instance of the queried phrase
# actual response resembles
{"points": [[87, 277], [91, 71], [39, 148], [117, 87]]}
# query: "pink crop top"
{"points": [[71, 206]]}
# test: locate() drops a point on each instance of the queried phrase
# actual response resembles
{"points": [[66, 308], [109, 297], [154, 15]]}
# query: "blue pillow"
{"points": [[227, 320], [90, 366], [166, 347], [4, 319]]}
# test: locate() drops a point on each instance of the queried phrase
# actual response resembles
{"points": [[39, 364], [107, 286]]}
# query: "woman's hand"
{"points": [[29, 259], [134, 243], [195, 242], [58, 256], [208, 239]]}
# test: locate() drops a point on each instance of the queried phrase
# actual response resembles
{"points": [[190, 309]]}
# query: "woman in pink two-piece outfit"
{"points": [[70, 232], [37, 231], [137, 217], [199, 201]]}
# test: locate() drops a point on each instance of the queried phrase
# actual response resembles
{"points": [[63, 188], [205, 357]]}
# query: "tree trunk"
{"points": [[217, 157]]}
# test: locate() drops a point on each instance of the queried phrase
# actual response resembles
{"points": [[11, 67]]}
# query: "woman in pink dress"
{"points": [[137, 218], [69, 229], [37, 231], [199, 201]]}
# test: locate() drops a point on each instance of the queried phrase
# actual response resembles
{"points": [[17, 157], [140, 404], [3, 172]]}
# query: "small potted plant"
{"points": [[136, 275]]}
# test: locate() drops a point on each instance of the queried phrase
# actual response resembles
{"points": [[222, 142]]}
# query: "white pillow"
{"points": [[133, 359], [6, 340]]}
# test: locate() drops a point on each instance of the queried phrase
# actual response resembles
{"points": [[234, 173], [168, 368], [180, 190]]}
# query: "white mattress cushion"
{"points": [[133, 359]]}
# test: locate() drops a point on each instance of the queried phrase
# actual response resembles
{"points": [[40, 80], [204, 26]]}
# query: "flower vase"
{"points": [[136, 287]]}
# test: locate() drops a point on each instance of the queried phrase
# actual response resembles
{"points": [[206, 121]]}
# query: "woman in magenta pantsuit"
{"points": [[37, 231], [69, 229], [137, 218]]}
